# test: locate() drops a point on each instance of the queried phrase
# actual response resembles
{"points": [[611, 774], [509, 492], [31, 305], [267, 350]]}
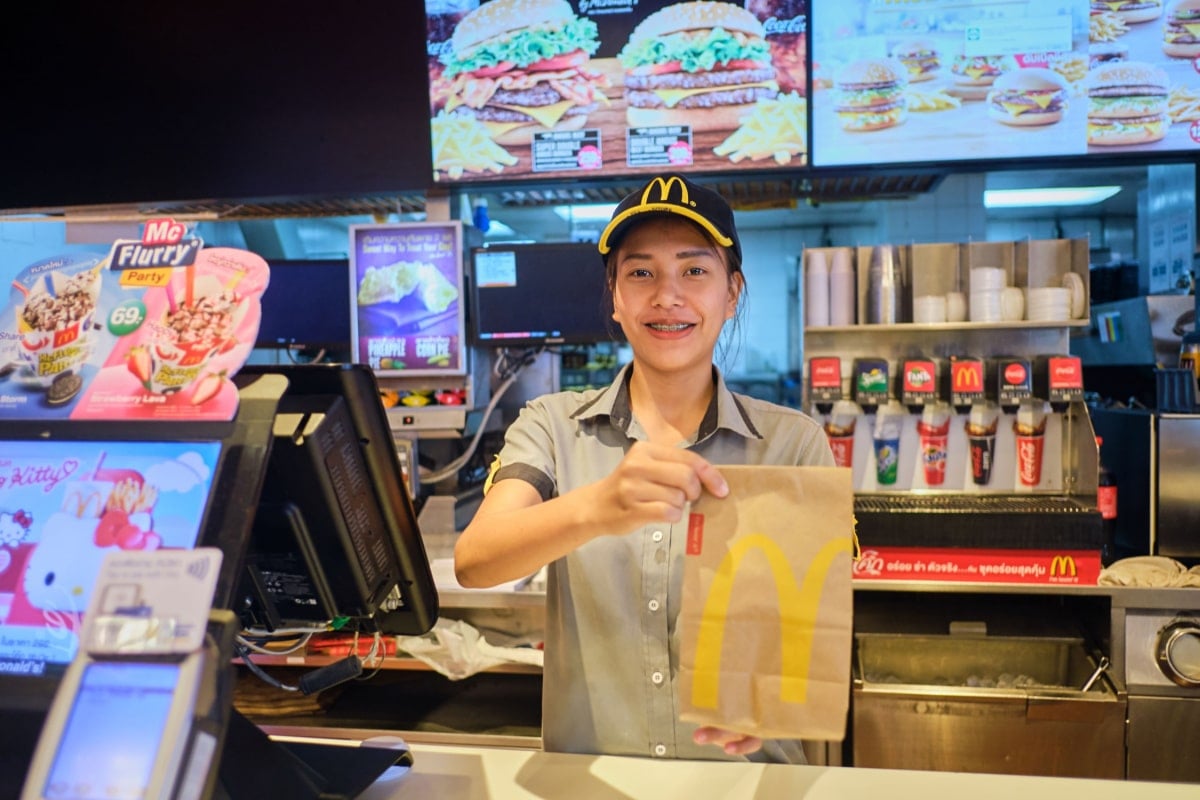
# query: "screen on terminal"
{"points": [[63, 506], [307, 305], [112, 737], [537, 294]]}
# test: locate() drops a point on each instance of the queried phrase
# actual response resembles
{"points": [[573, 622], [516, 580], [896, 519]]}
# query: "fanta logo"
{"points": [[919, 377], [1063, 565]]}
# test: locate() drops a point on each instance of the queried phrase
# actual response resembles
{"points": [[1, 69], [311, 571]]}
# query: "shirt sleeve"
{"points": [[528, 452], [814, 449]]}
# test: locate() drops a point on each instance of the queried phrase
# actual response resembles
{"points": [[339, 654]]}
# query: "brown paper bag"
{"points": [[766, 617]]}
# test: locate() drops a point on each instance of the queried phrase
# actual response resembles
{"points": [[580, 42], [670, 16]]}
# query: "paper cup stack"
{"points": [[929, 308], [987, 288], [1048, 304]]}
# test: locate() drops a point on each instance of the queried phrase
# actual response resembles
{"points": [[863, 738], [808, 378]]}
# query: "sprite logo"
{"points": [[872, 381]]}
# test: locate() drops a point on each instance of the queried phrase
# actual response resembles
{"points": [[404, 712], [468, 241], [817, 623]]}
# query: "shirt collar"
{"points": [[724, 411]]}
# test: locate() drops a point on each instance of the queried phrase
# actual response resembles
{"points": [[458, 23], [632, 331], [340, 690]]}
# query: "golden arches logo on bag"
{"points": [[796, 628]]}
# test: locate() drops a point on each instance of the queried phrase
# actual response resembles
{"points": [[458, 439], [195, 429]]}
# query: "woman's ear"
{"points": [[736, 283]]}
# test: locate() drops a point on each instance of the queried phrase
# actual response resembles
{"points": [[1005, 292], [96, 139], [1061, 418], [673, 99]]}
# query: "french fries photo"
{"points": [[461, 145], [1183, 104], [1106, 27], [931, 101], [1072, 66], [777, 128]]}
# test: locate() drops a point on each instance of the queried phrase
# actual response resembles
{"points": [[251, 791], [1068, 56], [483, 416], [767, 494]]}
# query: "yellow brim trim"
{"points": [[669, 208]]}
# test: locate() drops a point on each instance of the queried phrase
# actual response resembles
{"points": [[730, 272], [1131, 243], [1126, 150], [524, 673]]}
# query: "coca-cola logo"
{"points": [[1015, 373], [1066, 372], [1028, 456], [869, 563], [774, 26], [826, 372]]}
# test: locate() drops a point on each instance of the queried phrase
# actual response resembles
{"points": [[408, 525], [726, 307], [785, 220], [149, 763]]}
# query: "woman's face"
{"points": [[672, 293]]}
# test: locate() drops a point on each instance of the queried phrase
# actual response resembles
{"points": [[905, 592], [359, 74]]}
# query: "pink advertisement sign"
{"points": [[153, 330]]}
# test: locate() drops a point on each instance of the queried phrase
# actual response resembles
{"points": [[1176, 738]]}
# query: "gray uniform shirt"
{"points": [[612, 646]]}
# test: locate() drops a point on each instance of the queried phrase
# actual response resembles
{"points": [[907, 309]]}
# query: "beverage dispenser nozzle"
{"points": [[1010, 380], [1059, 380], [870, 383], [963, 382], [918, 383], [824, 382]]}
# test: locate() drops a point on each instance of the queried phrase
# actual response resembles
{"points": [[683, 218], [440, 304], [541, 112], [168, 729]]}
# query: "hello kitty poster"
{"points": [[63, 506]]}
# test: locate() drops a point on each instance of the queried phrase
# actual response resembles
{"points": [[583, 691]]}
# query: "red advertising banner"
{"points": [[969, 565]]}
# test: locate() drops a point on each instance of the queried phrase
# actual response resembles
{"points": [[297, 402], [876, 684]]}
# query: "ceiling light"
{"points": [[588, 213], [1049, 196]]}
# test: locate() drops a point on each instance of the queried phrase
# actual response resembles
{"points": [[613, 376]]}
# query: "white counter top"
{"points": [[479, 773]]}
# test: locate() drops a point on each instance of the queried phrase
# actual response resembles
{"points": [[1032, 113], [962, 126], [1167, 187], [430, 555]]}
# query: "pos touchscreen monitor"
{"points": [[64, 505], [335, 534]]}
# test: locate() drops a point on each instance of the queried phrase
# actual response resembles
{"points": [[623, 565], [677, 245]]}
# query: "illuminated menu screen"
{"points": [[597, 89], [932, 81], [408, 313]]}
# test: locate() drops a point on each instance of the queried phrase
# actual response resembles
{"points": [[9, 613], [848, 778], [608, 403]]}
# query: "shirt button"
{"points": [[657, 536], [656, 678], [652, 605], [660, 749]]}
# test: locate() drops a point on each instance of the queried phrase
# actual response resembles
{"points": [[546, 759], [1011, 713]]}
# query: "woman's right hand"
{"points": [[653, 483]]}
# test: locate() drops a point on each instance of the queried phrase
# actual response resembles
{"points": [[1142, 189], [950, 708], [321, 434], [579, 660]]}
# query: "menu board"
{"points": [[523, 89], [408, 316], [942, 80]]}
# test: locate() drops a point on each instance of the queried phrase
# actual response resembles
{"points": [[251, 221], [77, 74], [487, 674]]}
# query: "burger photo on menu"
{"points": [[869, 94], [974, 75], [521, 66], [1181, 29], [703, 64], [1130, 11], [1127, 104], [1031, 96], [919, 57]]}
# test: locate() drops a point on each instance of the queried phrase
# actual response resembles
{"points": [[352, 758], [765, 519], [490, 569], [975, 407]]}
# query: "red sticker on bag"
{"points": [[695, 534]]}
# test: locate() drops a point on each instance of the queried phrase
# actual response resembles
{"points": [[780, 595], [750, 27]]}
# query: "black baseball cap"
{"points": [[671, 193]]}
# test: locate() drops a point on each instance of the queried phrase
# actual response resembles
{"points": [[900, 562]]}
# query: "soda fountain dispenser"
{"points": [[968, 394], [1059, 380], [840, 415], [1011, 381], [824, 382]]}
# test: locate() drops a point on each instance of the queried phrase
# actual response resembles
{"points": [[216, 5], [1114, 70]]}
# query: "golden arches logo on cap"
{"points": [[674, 194]]}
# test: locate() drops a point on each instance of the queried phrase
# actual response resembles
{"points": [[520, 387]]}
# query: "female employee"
{"points": [[597, 483]]}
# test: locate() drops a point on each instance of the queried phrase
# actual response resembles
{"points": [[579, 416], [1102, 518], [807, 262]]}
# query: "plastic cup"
{"points": [[983, 455], [843, 449], [1029, 458], [933, 452], [887, 460]]}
